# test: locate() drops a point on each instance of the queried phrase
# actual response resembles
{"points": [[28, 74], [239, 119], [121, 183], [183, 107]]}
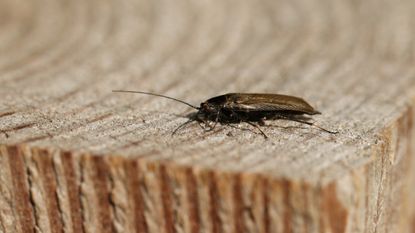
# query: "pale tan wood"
{"points": [[75, 157]]}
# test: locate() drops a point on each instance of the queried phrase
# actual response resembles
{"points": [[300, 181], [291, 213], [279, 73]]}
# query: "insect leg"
{"points": [[204, 127], [214, 124], [256, 126], [181, 126], [216, 121], [312, 124]]}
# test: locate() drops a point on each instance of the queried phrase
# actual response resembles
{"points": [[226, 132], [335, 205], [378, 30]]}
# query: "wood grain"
{"points": [[76, 157]]}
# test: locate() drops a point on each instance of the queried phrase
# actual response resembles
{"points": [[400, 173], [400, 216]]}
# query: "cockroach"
{"points": [[252, 108]]}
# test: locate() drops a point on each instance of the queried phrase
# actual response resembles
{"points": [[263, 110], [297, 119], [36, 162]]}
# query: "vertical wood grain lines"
{"points": [[134, 186], [48, 178], [100, 180], [166, 200], [23, 205], [213, 203], [193, 201], [265, 208], [277, 205], [73, 192], [334, 210], [305, 191], [286, 185], [238, 208]]}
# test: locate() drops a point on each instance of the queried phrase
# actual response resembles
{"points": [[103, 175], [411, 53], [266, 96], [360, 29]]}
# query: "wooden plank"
{"points": [[76, 157]]}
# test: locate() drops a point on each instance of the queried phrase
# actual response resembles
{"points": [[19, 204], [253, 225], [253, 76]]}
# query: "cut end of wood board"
{"points": [[107, 193]]}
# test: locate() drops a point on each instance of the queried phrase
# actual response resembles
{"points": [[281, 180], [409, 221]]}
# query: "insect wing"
{"points": [[267, 102]]}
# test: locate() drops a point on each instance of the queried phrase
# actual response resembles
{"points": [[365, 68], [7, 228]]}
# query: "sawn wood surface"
{"points": [[76, 157]]}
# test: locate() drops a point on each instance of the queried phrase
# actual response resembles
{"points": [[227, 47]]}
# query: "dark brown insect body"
{"points": [[251, 108], [237, 107]]}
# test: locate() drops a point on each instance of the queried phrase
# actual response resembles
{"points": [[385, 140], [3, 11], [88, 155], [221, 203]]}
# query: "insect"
{"points": [[252, 108]]}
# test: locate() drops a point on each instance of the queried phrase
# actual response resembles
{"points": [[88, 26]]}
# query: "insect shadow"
{"points": [[251, 108]]}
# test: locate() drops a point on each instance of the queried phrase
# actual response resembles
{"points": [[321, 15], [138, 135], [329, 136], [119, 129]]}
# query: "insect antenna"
{"points": [[154, 94], [182, 126]]}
